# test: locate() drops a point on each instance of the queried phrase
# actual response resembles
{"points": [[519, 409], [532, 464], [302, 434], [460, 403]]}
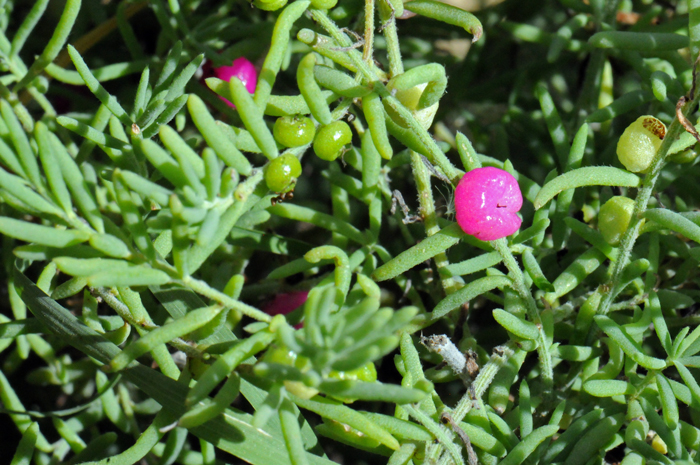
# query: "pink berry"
{"points": [[286, 303], [243, 70], [486, 201]]}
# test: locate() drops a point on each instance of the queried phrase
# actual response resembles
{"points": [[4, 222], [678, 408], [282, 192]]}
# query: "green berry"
{"points": [[294, 131], [331, 139], [614, 218], [323, 4], [269, 5], [686, 156], [640, 142], [281, 172]]}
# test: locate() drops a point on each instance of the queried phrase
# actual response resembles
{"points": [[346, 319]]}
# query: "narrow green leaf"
{"points": [[162, 161], [515, 325], [588, 176], [176, 88], [533, 269], [141, 91], [119, 151], [132, 217], [171, 110], [448, 14], [178, 328], [590, 443], [620, 106], [146, 188], [212, 134], [372, 391], [556, 128], [55, 44], [105, 73], [18, 189], [52, 167], [176, 144], [643, 41], [627, 344], [275, 56], [468, 292], [419, 253], [575, 273], [608, 387], [322, 220], [292, 433], [592, 236], [253, 119], [169, 66], [25, 448], [133, 276], [96, 88], [689, 380], [21, 143], [668, 402], [43, 235], [675, 222], [659, 322], [350, 417], [77, 185], [528, 445], [88, 266], [475, 264], [25, 29]]}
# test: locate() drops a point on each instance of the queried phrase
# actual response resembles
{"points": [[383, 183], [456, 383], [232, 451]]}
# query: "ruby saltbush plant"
{"points": [[285, 281]]}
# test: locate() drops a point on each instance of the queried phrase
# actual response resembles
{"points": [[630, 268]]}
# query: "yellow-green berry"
{"points": [[640, 142], [281, 172], [294, 131], [685, 156], [614, 218], [331, 139], [269, 5], [323, 4]]}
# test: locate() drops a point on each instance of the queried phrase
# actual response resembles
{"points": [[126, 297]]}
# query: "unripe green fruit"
{"points": [[686, 156], [323, 4], [269, 5], [614, 218], [331, 139], [640, 142], [294, 131], [281, 172]]}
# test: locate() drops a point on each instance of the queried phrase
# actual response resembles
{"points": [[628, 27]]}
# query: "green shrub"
{"points": [[170, 299]]}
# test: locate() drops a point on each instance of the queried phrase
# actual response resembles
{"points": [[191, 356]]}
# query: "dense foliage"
{"points": [[202, 271]]}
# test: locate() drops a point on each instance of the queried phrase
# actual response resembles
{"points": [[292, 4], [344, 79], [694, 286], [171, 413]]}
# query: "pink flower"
{"points": [[243, 70], [486, 201], [286, 303]]}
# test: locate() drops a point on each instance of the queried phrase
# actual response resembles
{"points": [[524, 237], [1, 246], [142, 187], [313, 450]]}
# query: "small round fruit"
{"points": [[639, 143], [323, 4], [686, 156], [281, 172], [294, 131], [269, 5], [331, 139], [614, 218], [366, 373]]}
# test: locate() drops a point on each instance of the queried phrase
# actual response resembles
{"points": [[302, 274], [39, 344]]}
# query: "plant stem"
{"points": [[368, 50], [388, 17], [436, 155], [640, 206], [427, 211], [516, 274], [204, 289]]}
